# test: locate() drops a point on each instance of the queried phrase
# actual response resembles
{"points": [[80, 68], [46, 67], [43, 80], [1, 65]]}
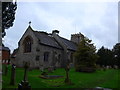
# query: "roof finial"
{"points": [[29, 22]]}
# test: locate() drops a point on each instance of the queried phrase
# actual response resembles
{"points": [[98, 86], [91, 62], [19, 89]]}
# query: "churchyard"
{"points": [[106, 78]]}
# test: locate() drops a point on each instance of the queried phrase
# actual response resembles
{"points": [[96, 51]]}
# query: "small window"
{"points": [[46, 56], [37, 58]]}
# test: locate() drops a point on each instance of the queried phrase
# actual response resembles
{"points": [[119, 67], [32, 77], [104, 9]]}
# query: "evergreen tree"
{"points": [[85, 56], [101, 60], [116, 51], [8, 15], [106, 57]]}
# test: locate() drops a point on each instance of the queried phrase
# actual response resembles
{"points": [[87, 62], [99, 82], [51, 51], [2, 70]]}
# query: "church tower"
{"points": [[76, 38]]}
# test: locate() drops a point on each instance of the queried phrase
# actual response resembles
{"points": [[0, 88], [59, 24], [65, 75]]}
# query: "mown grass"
{"points": [[100, 78]]}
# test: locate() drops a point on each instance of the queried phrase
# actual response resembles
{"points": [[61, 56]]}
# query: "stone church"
{"points": [[42, 49]]}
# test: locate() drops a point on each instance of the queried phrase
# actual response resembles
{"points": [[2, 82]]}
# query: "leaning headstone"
{"points": [[13, 74], [24, 85]]}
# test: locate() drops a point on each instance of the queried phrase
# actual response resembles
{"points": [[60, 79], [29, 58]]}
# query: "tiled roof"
{"points": [[46, 39], [70, 45]]}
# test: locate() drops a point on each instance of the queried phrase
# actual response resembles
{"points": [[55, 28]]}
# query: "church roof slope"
{"points": [[70, 45], [46, 39], [49, 40]]}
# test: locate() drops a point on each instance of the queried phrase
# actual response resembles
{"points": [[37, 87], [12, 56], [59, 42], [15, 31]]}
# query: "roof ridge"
{"points": [[66, 39]]}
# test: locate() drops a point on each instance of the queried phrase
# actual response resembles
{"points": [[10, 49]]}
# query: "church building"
{"points": [[42, 49]]}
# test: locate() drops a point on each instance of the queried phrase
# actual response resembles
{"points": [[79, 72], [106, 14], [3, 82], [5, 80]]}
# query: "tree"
{"points": [[8, 15], [116, 51], [106, 57], [85, 56]]}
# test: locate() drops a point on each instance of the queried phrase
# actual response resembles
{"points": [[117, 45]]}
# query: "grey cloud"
{"points": [[96, 20]]}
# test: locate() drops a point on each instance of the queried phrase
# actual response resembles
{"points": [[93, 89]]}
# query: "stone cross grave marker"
{"points": [[24, 85]]}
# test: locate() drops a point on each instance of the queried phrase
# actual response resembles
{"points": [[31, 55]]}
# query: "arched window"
{"points": [[27, 44]]}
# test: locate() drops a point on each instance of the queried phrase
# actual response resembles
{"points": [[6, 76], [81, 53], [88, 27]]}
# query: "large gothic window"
{"points": [[27, 44]]}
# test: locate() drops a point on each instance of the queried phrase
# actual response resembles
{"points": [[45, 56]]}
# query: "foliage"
{"points": [[106, 57], [106, 79], [8, 15], [109, 57], [116, 51], [85, 56]]}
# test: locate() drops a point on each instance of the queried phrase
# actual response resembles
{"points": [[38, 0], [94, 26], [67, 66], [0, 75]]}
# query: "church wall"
{"points": [[36, 57], [70, 56], [21, 56], [38, 50], [53, 57]]}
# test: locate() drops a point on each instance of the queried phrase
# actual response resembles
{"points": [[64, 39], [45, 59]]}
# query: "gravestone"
{"points": [[107, 67], [41, 68], [24, 85], [13, 74], [104, 68], [115, 67]]}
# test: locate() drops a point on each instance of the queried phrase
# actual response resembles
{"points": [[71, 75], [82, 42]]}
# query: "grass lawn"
{"points": [[106, 79]]}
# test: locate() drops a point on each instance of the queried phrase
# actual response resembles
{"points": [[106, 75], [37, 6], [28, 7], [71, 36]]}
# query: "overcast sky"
{"points": [[96, 20]]}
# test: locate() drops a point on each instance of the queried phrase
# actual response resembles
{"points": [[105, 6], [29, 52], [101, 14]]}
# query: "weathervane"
{"points": [[29, 22]]}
